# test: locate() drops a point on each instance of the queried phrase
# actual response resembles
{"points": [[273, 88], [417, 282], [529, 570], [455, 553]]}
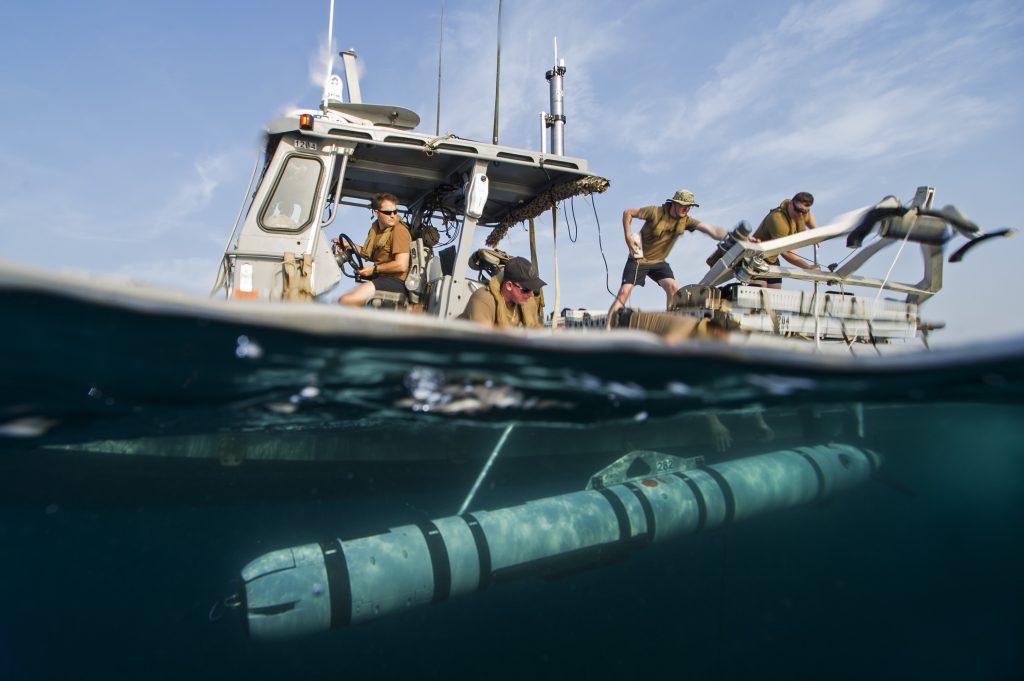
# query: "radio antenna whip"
{"points": [[330, 57], [497, 77], [440, 47]]}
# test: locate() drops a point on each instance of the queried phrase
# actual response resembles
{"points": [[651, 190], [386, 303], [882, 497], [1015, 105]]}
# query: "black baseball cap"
{"points": [[523, 272]]}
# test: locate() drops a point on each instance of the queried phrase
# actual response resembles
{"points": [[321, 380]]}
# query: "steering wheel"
{"points": [[347, 255]]}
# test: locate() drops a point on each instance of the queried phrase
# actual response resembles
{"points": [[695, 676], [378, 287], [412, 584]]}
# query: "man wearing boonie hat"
{"points": [[662, 226], [508, 299]]}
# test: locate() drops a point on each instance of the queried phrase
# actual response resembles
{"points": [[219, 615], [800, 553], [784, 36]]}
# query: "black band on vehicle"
{"points": [[338, 585], [483, 550], [730, 499], [620, 512], [818, 473], [439, 562], [702, 506], [645, 504]]}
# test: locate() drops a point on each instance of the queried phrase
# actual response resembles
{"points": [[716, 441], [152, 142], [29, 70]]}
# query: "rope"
{"points": [[889, 273], [487, 467], [431, 145]]}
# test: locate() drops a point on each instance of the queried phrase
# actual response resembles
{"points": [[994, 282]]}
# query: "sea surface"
{"points": [[130, 499]]}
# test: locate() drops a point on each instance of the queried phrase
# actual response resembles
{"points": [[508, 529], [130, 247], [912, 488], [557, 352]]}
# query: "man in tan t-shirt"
{"points": [[662, 226], [388, 246], [508, 299], [791, 217]]}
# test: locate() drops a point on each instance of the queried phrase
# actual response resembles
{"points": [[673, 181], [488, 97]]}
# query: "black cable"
{"points": [[600, 245], [834, 266], [572, 206]]}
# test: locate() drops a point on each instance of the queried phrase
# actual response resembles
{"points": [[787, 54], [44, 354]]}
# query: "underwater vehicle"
{"points": [[336, 583]]}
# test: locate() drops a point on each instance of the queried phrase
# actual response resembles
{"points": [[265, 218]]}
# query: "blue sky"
{"points": [[132, 127]]}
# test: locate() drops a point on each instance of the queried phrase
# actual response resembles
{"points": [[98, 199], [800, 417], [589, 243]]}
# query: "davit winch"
{"points": [[336, 583]]}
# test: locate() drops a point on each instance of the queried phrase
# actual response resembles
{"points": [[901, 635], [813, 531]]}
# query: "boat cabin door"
{"points": [[282, 251]]}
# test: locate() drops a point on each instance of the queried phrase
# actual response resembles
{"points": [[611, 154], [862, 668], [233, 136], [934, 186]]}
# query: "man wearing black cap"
{"points": [[508, 299]]}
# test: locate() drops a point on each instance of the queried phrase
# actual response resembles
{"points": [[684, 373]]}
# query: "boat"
{"points": [[266, 370]]}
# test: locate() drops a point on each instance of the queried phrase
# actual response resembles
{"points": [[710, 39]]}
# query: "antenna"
{"points": [[348, 59], [440, 46], [497, 77], [330, 60], [556, 120]]}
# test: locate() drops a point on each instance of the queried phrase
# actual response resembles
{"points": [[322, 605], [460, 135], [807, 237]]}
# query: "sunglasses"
{"points": [[388, 212], [802, 211], [521, 287]]}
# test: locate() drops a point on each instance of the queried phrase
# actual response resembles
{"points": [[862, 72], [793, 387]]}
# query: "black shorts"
{"points": [[635, 273], [388, 284]]}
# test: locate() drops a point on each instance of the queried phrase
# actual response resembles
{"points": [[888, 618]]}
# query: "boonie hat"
{"points": [[685, 197], [523, 272]]}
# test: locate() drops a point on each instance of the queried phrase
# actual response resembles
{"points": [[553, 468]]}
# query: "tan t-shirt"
{"points": [[660, 231], [777, 225], [486, 306], [382, 245]]}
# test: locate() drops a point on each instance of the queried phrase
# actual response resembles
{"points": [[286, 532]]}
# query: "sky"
{"points": [[132, 127]]}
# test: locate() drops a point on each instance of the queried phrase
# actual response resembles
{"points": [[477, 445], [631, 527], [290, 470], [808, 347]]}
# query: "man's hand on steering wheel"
{"points": [[346, 253]]}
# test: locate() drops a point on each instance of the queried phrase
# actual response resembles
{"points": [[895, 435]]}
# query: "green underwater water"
{"points": [[913, 575], [164, 460]]}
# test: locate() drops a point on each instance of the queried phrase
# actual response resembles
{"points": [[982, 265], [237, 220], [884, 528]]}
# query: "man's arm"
{"points": [[479, 309], [628, 216], [711, 230], [792, 258], [396, 267], [720, 435]]}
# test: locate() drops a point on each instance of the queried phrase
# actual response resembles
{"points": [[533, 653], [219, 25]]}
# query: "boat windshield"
{"points": [[290, 207]]}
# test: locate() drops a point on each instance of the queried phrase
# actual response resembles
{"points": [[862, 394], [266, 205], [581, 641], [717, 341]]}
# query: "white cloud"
{"points": [[194, 193], [836, 81], [898, 122]]}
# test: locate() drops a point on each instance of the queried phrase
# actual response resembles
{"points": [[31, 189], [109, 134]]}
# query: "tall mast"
{"points": [[440, 46], [329, 59], [497, 78], [556, 120]]}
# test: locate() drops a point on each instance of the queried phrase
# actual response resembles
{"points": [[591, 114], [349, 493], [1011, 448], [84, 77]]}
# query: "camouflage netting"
{"points": [[546, 201]]}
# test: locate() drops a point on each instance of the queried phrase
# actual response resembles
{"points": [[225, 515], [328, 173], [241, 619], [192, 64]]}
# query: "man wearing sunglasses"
{"points": [[388, 247], [508, 299], [792, 216]]}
